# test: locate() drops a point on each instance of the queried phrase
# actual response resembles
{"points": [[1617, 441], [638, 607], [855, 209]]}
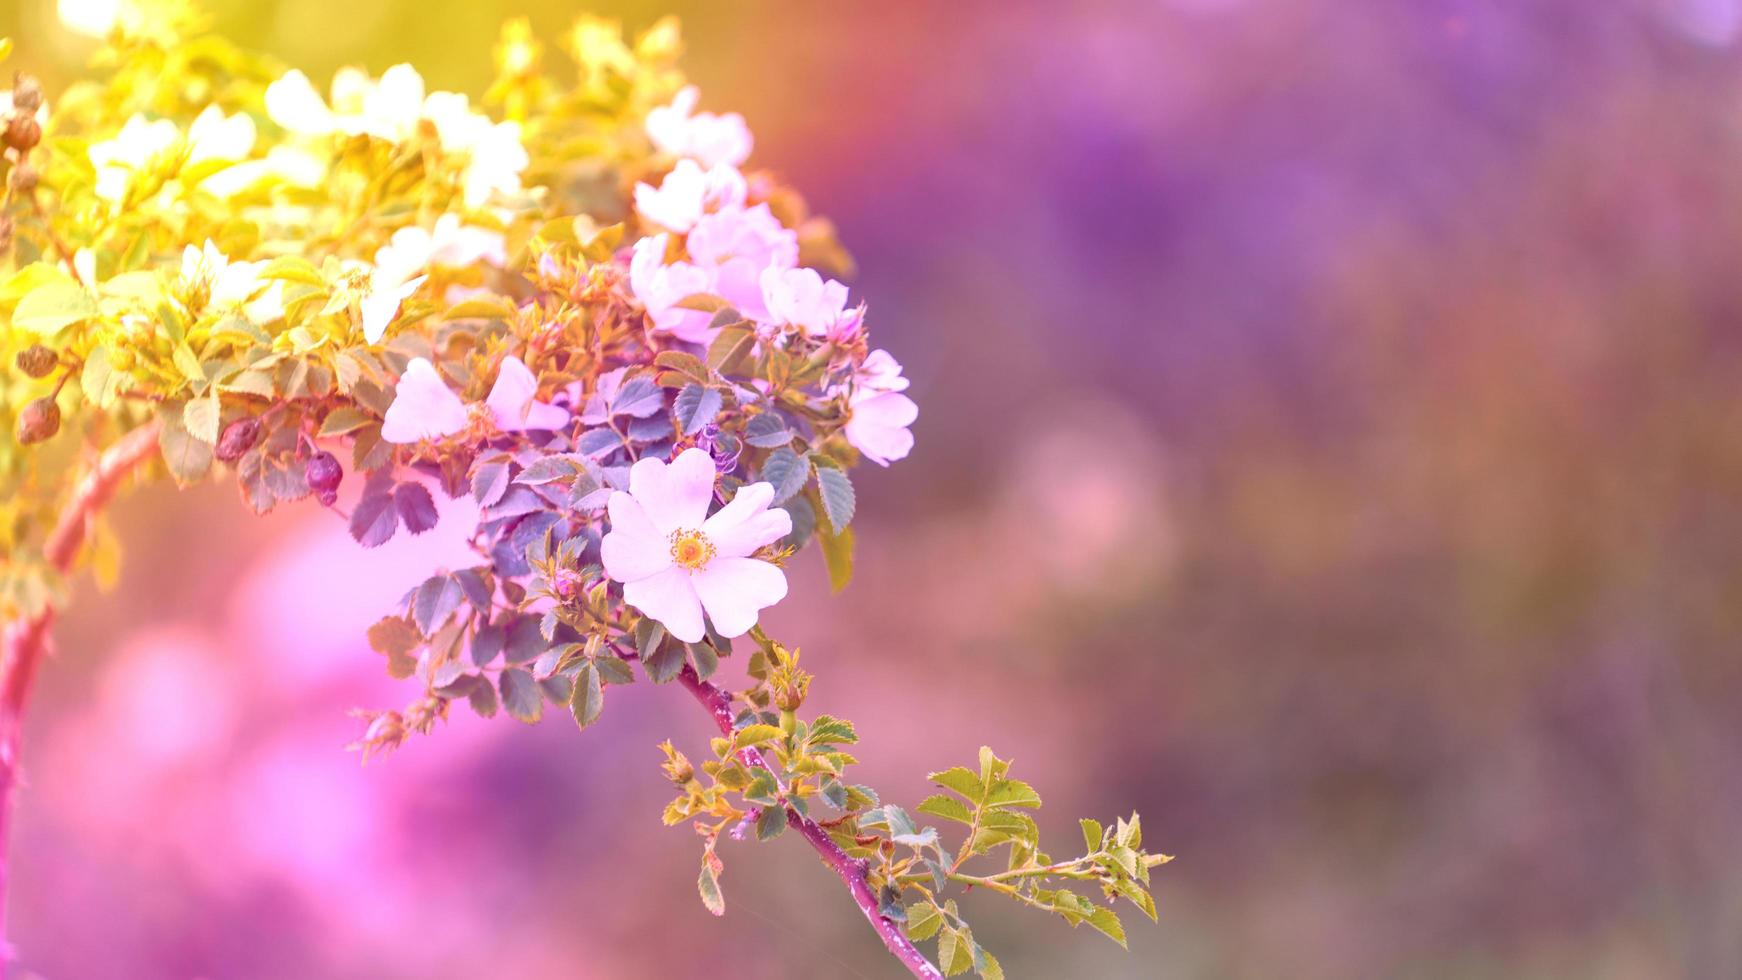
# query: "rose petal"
{"points": [[423, 407], [669, 598], [634, 548], [512, 405], [734, 590], [675, 496], [746, 523]]}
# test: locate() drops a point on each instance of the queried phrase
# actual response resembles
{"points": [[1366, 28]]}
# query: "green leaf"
{"points": [[763, 790], [188, 458], [947, 807], [100, 383], [1138, 896], [1107, 921], [766, 431], [923, 921], [1126, 858], [751, 736], [837, 493], [1130, 832], [987, 966], [665, 660], [955, 952], [51, 308], [588, 697], [695, 407], [683, 363], [614, 671], [252, 382], [344, 419], [520, 695], [962, 780], [705, 658], [200, 418], [770, 821], [1013, 792], [188, 364], [838, 555], [368, 450], [1092, 833], [829, 730], [705, 302], [787, 471], [732, 344], [293, 268], [709, 886], [481, 308]]}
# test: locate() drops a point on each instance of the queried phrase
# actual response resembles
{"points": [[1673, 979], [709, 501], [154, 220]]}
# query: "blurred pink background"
{"points": [[1331, 443]]}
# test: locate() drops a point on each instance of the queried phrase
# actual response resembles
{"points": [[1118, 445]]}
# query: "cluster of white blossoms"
{"points": [[394, 108], [145, 149], [743, 255], [678, 564]]}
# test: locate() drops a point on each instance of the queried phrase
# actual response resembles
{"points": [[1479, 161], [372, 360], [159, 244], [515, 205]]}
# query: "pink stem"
{"points": [[26, 640], [853, 872]]}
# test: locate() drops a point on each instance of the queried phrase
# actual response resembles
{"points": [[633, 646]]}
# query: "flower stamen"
{"points": [[691, 549]]}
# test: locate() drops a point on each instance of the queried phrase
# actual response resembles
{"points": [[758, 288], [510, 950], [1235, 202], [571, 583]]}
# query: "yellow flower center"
{"points": [[691, 549]]}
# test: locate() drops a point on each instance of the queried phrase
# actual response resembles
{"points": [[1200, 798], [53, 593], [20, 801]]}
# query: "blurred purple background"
{"points": [[1331, 446]]}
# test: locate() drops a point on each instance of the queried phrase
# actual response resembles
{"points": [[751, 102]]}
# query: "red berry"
{"points": [[40, 420], [22, 132], [324, 475], [237, 438], [36, 361]]}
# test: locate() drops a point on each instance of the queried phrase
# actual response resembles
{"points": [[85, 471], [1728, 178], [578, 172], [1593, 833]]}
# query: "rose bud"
{"points": [[40, 420], [22, 132], [37, 361], [323, 474], [237, 438]]}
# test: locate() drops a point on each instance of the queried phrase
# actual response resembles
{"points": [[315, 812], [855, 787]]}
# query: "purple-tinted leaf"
{"points": [[556, 689], [787, 471], [598, 442], [416, 507], [695, 407], [767, 431], [374, 521], [476, 587], [436, 600], [487, 643], [517, 501], [521, 696], [650, 429], [639, 399], [524, 641], [490, 480], [837, 493]]}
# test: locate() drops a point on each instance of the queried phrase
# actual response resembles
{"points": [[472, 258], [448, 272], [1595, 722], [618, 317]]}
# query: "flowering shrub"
{"points": [[570, 303]]}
